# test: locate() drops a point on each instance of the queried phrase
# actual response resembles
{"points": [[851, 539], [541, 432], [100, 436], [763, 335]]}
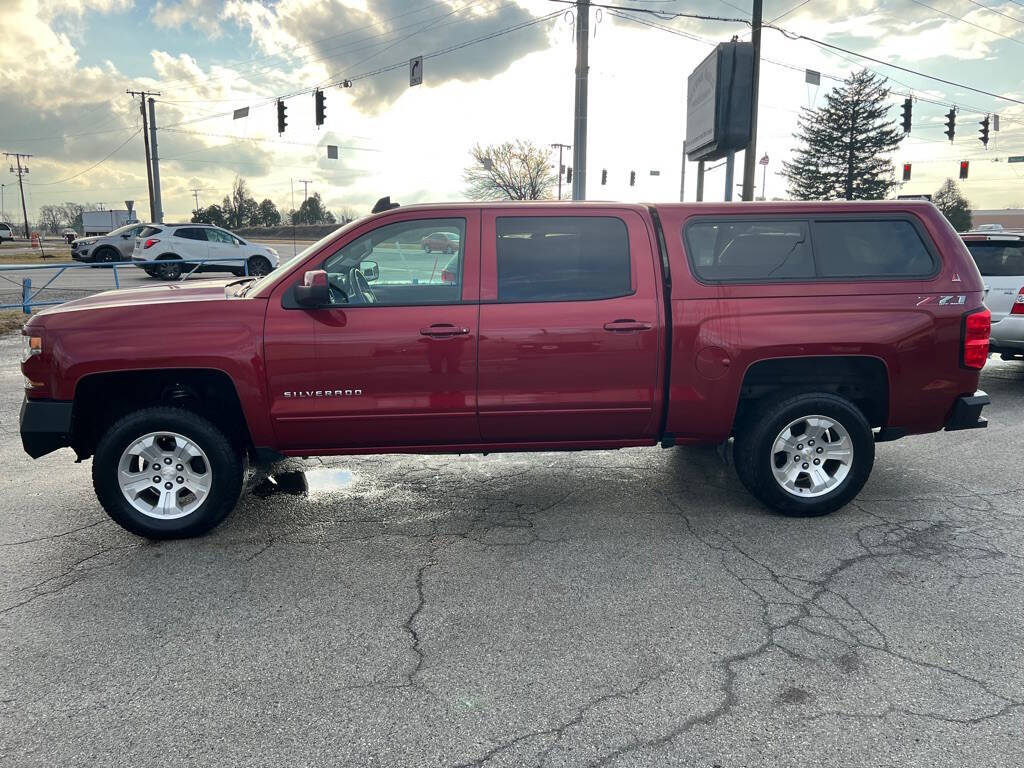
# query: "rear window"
{"points": [[998, 258], [750, 250], [756, 250], [150, 231], [861, 248], [562, 258]]}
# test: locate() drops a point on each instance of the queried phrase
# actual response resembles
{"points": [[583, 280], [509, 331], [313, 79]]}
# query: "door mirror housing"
{"points": [[313, 291], [370, 270]]}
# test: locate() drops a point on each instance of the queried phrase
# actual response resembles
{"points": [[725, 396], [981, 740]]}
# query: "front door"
{"points": [[395, 352], [570, 333], [225, 249]]}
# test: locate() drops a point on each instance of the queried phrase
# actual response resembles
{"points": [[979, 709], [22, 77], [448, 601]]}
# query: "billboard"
{"points": [[719, 102]]}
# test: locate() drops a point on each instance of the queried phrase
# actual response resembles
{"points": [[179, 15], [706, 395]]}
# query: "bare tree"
{"points": [[51, 217], [517, 170]]}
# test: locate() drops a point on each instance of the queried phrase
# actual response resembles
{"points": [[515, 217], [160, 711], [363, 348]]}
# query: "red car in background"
{"points": [[446, 242]]}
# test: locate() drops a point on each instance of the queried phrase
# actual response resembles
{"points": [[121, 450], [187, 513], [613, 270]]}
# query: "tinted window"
{"points": [[220, 236], [150, 231], [397, 266], [749, 250], [562, 258], [191, 233], [881, 248], [998, 259]]}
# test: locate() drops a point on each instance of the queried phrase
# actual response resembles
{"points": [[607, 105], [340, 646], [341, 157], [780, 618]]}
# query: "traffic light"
{"points": [[906, 171], [604, 176], [984, 132], [281, 115], [964, 167], [568, 175], [632, 178], [321, 106], [908, 106], [950, 124]]}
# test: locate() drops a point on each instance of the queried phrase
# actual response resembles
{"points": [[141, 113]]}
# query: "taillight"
{"points": [[977, 326], [447, 276], [1018, 303], [150, 243]]}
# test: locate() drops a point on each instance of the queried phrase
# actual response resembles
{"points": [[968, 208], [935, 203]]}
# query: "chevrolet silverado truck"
{"points": [[804, 332]]}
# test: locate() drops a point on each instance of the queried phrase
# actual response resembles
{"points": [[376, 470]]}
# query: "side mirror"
{"points": [[370, 270], [313, 291]]}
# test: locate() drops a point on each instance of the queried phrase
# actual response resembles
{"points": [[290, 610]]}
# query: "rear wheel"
{"points": [[426, 248], [168, 270], [806, 455], [166, 473]]}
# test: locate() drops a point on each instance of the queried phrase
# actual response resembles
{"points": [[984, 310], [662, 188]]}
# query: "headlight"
{"points": [[31, 345]]}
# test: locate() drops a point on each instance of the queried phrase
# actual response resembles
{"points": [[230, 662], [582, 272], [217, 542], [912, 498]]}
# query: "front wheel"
{"points": [[806, 455], [166, 473], [259, 266]]}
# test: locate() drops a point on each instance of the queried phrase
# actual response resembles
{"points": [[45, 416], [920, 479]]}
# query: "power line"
{"points": [[994, 10], [965, 21], [261, 140], [109, 155]]}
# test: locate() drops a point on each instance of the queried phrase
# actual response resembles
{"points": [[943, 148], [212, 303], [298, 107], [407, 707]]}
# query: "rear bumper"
{"points": [[45, 426], [1008, 335], [967, 412]]}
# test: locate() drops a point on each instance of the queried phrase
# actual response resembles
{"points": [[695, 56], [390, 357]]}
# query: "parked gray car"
{"points": [[114, 246]]}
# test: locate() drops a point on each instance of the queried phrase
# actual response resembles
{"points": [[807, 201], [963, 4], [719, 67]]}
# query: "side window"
{"points": [[860, 248], [402, 264], [562, 258], [150, 231], [191, 233], [219, 236], [770, 249]]}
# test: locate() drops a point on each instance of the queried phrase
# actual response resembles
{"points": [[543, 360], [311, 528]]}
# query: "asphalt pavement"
{"points": [[630, 608]]}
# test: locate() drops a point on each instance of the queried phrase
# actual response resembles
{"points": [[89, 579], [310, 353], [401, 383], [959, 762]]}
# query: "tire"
{"points": [[426, 248], [259, 266], [168, 269], [220, 464], [823, 488], [151, 271]]}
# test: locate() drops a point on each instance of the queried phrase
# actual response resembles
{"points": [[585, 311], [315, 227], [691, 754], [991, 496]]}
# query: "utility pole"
{"points": [[21, 171], [560, 147], [155, 158], [579, 141], [3, 208], [305, 187], [750, 155], [195, 194], [145, 140], [682, 178]]}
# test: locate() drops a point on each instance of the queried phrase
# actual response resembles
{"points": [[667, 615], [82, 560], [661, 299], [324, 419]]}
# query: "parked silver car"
{"points": [[114, 246]]}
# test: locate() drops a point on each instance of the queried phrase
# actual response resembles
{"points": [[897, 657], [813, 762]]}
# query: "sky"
{"points": [[66, 65]]}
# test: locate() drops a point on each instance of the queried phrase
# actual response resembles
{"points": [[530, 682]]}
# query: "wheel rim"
{"points": [[259, 267], [164, 475], [811, 456], [170, 271]]}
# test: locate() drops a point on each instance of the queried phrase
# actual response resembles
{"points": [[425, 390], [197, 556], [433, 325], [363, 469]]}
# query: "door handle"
{"points": [[620, 326], [443, 331]]}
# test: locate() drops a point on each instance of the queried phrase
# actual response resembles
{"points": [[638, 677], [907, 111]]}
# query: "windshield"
{"points": [[122, 230], [287, 266]]}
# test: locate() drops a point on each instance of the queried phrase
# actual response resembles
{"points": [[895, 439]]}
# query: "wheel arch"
{"points": [[862, 379], [102, 398]]}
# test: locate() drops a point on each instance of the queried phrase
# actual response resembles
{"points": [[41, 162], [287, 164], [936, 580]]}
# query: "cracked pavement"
{"points": [[630, 608]]}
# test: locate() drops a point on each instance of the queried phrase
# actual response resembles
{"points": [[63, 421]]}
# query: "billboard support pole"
{"points": [[700, 181], [730, 170]]}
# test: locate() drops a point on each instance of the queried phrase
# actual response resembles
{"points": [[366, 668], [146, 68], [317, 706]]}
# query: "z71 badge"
{"points": [[324, 393], [954, 300]]}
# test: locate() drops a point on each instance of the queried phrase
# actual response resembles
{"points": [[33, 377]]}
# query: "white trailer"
{"points": [[102, 222]]}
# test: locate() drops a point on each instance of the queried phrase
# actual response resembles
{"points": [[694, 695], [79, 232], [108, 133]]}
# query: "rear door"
{"points": [[1000, 259], [570, 331], [192, 244]]}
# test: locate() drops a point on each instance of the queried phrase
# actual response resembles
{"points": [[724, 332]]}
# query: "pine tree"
{"points": [[954, 205], [845, 144]]}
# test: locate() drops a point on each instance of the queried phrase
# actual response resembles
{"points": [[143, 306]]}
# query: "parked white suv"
{"points": [[6, 233], [169, 250], [1000, 259]]}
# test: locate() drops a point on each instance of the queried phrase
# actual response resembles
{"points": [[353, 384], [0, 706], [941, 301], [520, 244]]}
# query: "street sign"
{"points": [[1015, 159], [763, 160], [238, 114], [416, 71], [811, 77], [655, 173], [332, 152]]}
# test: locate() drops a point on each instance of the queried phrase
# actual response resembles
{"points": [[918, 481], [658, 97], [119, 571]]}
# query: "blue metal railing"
{"points": [[29, 295]]}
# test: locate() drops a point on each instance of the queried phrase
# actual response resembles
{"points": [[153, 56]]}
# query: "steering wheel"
{"points": [[359, 288]]}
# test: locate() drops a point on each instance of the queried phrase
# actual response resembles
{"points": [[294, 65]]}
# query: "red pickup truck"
{"points": [[805, 331]]}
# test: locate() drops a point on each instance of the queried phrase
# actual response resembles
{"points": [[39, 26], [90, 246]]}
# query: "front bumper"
{"points": [[45, 426], [81, 256], [967, 412]]}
